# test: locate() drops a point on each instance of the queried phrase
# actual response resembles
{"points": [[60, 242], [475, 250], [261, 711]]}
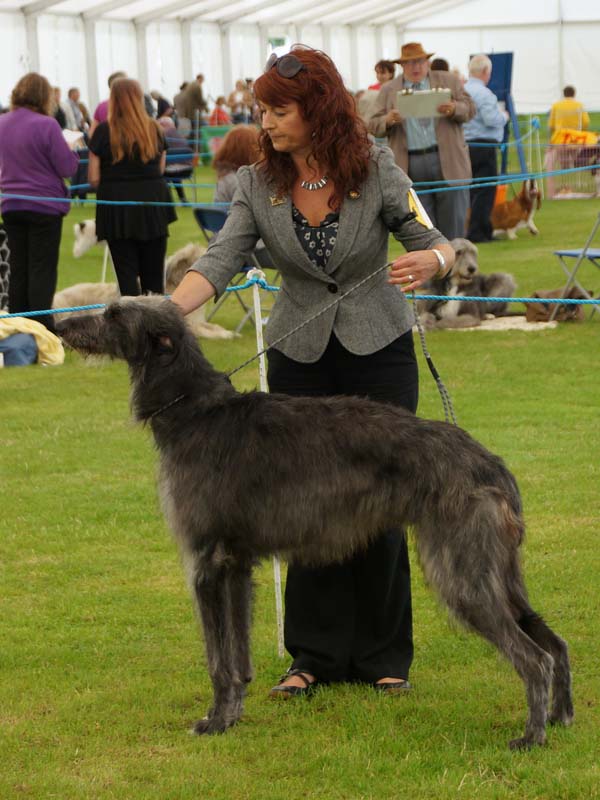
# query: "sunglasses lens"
{"points": [[288, 66]]}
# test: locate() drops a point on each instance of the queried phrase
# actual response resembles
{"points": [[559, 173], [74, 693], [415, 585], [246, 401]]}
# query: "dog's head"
{"points": [[139, 330], [85, 237], [466, 264], [179, 263], [530, 194]]}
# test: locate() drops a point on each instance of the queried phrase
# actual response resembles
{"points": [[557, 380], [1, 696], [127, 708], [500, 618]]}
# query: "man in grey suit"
{"points": [[430, 149]]}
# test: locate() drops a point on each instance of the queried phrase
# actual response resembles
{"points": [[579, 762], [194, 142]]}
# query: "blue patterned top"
{"points": [[316, 241]]}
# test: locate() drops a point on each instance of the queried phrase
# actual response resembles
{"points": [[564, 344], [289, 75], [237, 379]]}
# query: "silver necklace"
{"points": [[312, 186]]}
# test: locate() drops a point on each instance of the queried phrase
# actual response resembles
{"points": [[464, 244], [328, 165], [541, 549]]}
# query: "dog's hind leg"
{"points": [[534, 626], [532, 663], [471, 568], [562, 699], [212, 587]]}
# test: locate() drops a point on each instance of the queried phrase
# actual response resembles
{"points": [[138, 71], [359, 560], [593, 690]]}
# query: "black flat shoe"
{"points": [[286, 692], [397, 687]]}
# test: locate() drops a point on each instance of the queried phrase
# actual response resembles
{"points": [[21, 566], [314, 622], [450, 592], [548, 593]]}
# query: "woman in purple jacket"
{"points": [[34, 158]]}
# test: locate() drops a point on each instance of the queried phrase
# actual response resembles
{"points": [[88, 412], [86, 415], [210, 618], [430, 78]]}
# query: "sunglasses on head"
{"points": [[288, 66]]}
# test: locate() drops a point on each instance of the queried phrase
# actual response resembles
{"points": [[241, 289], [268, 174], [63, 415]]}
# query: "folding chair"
{"points": [[211, 220], [580, 255]]}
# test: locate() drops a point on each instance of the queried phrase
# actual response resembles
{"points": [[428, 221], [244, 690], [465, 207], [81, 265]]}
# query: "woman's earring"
{"points": [[313, 135]]}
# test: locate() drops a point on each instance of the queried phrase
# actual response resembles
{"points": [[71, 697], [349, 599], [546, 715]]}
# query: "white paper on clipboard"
{"points": [[422, 104]]}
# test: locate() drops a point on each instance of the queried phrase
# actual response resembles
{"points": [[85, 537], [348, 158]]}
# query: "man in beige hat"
{"points": [[433, 148]]}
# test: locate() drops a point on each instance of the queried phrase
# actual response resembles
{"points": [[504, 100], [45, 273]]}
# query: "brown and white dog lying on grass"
{"points": [[465, 279], [87, 294], [517, 213]]}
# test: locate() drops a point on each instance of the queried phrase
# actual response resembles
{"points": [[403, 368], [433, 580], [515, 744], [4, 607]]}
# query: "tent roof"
{"points": [[328, 12]]}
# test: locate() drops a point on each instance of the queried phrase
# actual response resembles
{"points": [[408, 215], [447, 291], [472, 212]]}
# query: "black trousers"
{"points": [[135, 260], [484, 165], [352, 620], [34, 243]]}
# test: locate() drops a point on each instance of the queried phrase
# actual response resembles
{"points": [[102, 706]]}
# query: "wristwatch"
{"points": [[442, 263]]}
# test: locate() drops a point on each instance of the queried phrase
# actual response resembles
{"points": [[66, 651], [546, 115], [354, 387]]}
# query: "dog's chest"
{"points": [[449, 309]]}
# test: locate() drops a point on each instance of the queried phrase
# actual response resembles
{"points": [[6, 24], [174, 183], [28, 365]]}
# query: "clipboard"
{"points": [[422, 104]]}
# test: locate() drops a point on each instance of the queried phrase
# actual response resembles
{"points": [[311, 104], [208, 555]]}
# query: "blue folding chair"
{"points": [[211, 219], [577, 257]]}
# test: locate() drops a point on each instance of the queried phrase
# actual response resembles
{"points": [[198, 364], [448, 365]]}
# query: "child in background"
{"points": [[219, 116]]}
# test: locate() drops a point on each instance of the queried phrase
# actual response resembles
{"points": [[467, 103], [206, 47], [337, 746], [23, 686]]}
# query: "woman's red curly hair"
{"points": [[339, 136]]}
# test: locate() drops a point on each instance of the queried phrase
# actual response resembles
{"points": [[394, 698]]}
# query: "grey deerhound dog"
{"points": [[384, 468]]}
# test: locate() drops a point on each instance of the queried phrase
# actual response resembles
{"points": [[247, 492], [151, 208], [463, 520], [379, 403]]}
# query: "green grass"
{"points": [[101, 666]]}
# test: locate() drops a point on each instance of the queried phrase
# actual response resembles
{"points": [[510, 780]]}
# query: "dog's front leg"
{"points": [[239, 590], [211, 591]]}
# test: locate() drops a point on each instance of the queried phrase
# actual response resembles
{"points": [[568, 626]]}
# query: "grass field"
{"points": [[101, 666]]}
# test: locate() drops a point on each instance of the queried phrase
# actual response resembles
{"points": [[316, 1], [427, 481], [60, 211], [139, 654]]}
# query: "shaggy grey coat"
{"points": [[340, 471]]}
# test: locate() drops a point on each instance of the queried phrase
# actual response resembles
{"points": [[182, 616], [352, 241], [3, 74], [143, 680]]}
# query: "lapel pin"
{"points": [[277, 201], [353, 194]]}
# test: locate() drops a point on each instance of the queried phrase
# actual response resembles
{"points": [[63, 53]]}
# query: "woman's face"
{"points": [[288, 131]]}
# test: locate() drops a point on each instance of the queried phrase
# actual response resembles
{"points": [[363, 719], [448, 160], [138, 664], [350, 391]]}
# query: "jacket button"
{"points": [[333, 287]]}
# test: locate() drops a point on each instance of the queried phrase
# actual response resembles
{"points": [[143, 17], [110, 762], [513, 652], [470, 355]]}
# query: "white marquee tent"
{"points": [[163, 42]]}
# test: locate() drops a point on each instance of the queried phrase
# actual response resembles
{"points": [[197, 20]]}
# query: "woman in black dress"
{"points": [[127, 162]]}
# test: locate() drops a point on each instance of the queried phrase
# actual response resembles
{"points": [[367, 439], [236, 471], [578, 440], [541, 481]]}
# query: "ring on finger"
{"points": [[410, 278]]}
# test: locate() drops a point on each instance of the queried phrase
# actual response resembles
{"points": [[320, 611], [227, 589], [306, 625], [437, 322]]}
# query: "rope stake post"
{"points": [[259, 276]]}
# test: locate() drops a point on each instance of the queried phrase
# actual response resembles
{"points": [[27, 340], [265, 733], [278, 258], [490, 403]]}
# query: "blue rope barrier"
{"points": [[171, 158], [264, 285], [508, 179], [93, 201], [52, 311], [542, 300], [500, 180]]}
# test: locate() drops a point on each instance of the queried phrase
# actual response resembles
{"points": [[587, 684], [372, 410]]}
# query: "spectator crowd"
{"points": [[457, 141]]}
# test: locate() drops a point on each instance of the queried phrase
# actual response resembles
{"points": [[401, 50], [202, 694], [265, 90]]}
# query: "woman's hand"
{"points": [[413, 269]]}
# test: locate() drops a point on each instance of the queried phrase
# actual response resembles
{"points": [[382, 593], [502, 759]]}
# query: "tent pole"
{"points": [[91, 63]]}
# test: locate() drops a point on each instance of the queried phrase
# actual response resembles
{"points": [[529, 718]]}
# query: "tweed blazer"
{"points": [[453, 150], [370, 317]]}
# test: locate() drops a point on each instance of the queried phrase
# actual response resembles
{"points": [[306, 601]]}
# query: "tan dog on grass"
{"points": [[517, 213]]}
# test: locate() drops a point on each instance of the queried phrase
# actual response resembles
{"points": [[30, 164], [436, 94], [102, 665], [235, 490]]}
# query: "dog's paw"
{"points": [[209, 726], [527, 742], [563, 716]]}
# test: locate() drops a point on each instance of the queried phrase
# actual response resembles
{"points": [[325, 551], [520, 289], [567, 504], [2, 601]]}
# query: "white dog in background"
{"points": [[87, 294], [85, 237]]}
